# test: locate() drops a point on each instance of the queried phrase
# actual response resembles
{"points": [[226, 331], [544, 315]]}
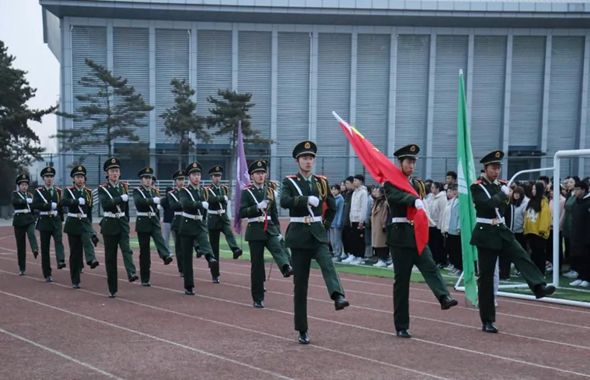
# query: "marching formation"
{"points": [[200, 216]]}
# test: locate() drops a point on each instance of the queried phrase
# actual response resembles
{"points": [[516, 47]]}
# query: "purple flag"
{"points": [[242, 179]]}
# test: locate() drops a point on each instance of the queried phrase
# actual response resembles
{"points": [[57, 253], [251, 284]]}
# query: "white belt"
{"points": [[79, 216], [178, 213], [148, 214], [191, 216], [306, 219], [259, 219], [493, 222], [22, 211], [109, 214], [400, 220], [216, 212], [48, 213]]}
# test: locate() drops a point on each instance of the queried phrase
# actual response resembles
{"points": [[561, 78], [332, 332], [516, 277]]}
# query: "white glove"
{"points": [[262, 205], [280, 237], [419, 204], [53, 205], [81, 201], [156, 200], [226, 198], [205, 205], [313, 200], [29, 200], [505, 189], [124, 197]]}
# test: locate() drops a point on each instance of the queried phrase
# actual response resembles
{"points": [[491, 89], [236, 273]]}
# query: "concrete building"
{"points": [[388, 66]]}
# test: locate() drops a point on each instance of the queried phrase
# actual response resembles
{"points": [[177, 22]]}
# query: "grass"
{"points": [[564, 292]]}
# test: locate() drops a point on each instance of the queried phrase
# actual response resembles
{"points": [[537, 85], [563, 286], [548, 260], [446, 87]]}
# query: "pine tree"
{"points": [[181, 119], [113, 106]]}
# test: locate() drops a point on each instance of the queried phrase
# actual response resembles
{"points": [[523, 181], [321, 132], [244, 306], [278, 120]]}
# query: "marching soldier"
{"points": [[402, 241], [114, 226], [304, 195], [47, 199], [23, 222], [218, 221], [493, 239], [193, 230], [259, 206], [78, 200], [146, 200], [173, 200]]}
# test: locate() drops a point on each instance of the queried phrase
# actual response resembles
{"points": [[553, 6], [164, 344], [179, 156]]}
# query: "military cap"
{"points": [[216, 170], [78, 169], [48, 171], [111, 163], [22, 178], [494, 157], [193, 167], [257, 166], [145, 172], [408, 151], [178, 174], [305, 147]]}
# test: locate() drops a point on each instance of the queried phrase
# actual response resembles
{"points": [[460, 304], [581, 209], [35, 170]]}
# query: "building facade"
{"points": [[389, 67]]}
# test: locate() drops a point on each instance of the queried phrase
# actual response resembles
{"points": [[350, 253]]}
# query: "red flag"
{"points": [[382, 170]]}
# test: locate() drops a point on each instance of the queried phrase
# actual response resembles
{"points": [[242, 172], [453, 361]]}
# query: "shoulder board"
{"points": [[225, 187], [320, 176], [58, 188], [248, 186], [477, 182], [40, 188], [291, 176], [503, 182], [89, 191]]}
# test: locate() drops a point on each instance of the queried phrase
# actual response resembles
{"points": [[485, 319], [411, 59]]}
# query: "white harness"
{"points": [[27, 203], [81, 214], [110, 196], [148, 214], [193, 199], [500, 220], [313, 217]]}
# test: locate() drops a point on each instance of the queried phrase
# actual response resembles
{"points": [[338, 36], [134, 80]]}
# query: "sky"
{"points": [[21, 29]]}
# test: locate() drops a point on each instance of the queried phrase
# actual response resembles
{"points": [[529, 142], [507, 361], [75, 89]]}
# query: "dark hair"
{"points": [[439, 186], [582, 185], [535, 200], [360, 177], [335, 187], [452, 174], [544, 179], [349, 179], [453, 187], [517, 190]]}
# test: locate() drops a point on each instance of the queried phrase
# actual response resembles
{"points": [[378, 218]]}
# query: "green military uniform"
{"points": [[193, 229], [78, 220], [218, 221], [402, 241], [148, 226], [493, 238], [307, 235], [23, 222], [114, 227], [49, 224], [258, 205], [175, 205]]}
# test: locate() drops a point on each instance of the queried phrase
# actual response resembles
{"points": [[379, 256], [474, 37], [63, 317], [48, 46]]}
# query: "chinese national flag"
{"points": [[382, 170]]}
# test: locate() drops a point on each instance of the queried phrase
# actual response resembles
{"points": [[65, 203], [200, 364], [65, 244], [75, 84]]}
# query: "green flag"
{"points": [[466, 176]]}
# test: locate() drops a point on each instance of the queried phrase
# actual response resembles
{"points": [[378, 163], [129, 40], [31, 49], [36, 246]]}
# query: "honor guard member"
{"points": [[47, 200], [402, 242], [147, 225], [23, 221], [78, 200], [305, 195], [174, 202], [218, 221], [493, 238], [259, 206], [114, 226], [193, 230]]}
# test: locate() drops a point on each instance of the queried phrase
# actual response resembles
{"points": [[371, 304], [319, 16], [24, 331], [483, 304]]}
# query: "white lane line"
{"points": [[59, 353], [245, 329], [348, 325], [140, 333]]}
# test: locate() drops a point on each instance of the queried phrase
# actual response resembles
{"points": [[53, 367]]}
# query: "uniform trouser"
{"points": [[127, 254], [487, 265], [505, 262], [301, 265], [145, 260], [257, 263], [20, 233], [111, 243], [214, 236], [404, 260], [87, 244], [188, 242], [177, 250], [76, 250], [56, 233], [538, 247]]}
